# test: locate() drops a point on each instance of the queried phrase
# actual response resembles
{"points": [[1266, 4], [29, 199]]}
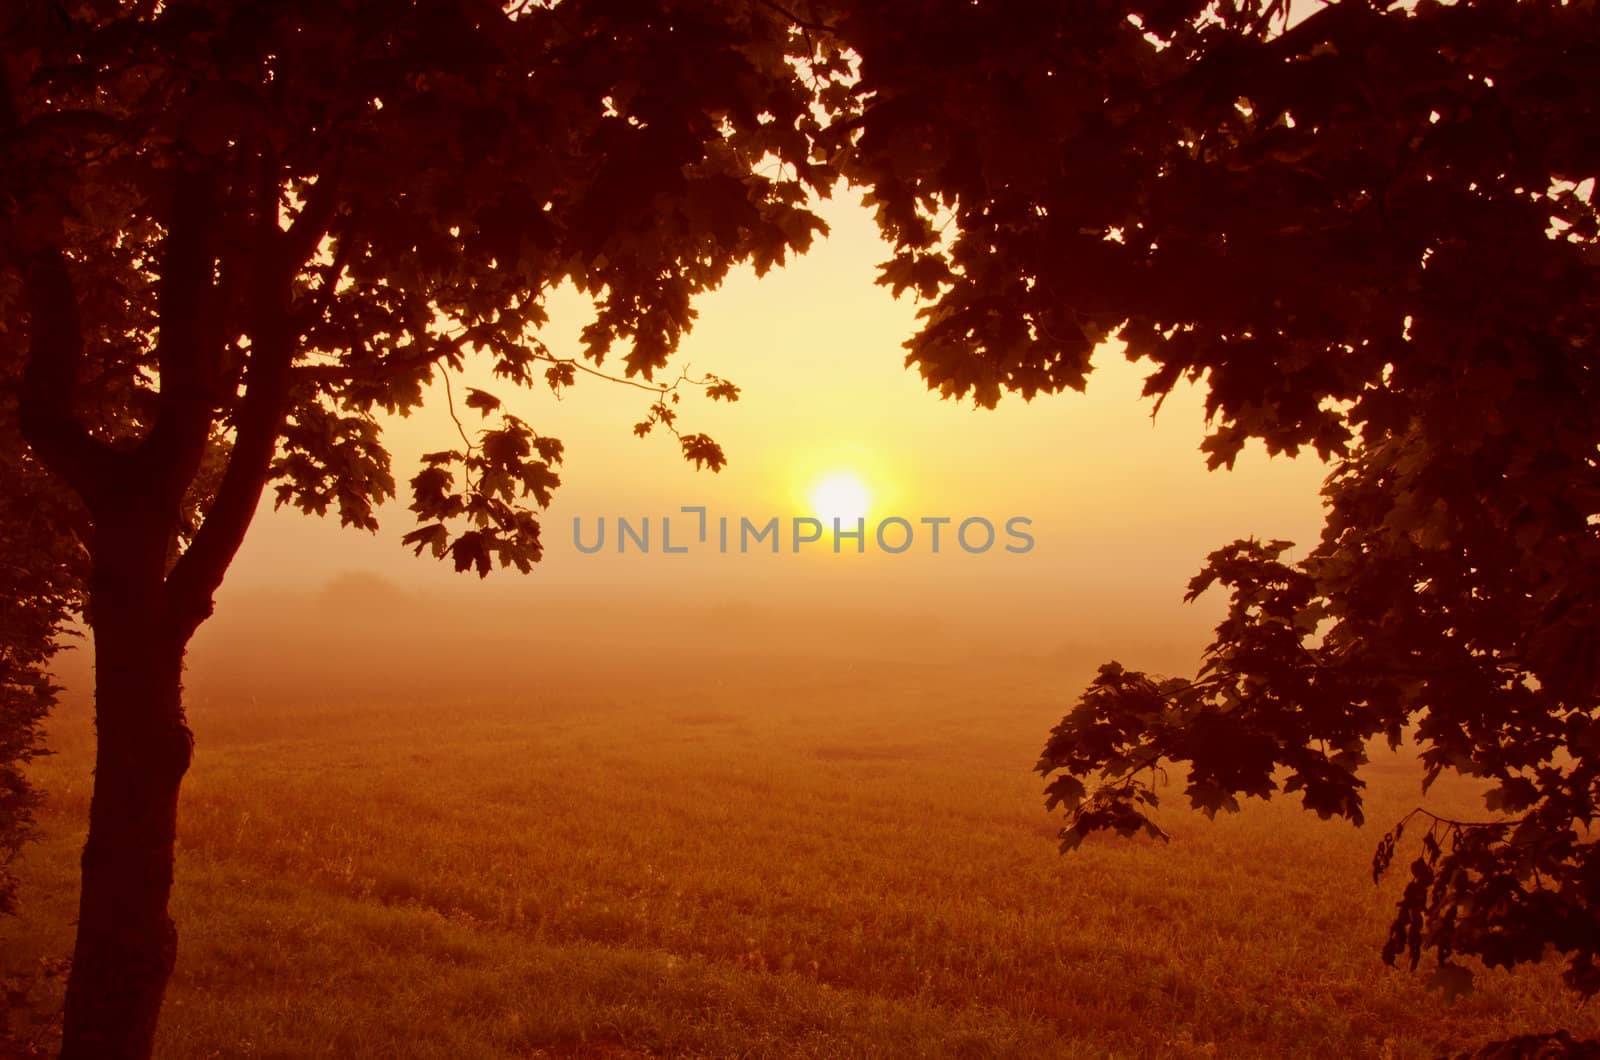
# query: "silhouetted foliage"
{"points": [[41, 586], [1372, 233], [234, 233], [40, 589]]}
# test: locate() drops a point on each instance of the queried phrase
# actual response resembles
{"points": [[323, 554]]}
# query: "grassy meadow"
{"points": [[596, 841]]}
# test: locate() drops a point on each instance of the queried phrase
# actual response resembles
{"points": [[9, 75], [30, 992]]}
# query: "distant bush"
{"points": [[361, 590]]}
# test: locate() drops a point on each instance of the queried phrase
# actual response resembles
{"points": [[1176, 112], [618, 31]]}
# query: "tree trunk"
{"points": [[127, 944]]}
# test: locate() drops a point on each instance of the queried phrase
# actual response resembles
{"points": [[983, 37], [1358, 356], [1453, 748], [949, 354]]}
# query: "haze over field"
{"points": [[424, 827], [1123, 509]]}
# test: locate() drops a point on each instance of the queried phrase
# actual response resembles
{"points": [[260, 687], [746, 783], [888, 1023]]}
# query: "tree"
{"points": [[1370, 232], [235, 232]]}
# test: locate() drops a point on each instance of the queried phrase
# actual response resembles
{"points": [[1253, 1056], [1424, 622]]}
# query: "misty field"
{"points": [[530, 847]]}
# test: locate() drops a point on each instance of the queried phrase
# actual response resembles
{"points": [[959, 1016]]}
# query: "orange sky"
{"points": [[1123, 509]]}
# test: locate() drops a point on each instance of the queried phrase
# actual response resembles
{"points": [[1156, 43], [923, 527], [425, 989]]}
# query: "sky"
{"points": [[1122, 509]]}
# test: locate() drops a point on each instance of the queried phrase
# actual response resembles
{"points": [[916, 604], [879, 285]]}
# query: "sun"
{"points": [[840, 495]]}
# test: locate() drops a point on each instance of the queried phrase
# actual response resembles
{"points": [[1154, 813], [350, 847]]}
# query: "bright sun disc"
{"points": [[842, 496]]}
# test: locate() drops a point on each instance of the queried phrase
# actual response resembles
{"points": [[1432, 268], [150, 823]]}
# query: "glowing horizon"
{"points": [[1123, 508]]}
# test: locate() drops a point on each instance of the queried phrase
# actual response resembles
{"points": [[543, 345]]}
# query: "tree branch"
{"points": [[257, 425], [804, 23], [55, 350], [322, 298], [305, 233], [388, 368], [190, 337], [393, 366], [199, 571]]}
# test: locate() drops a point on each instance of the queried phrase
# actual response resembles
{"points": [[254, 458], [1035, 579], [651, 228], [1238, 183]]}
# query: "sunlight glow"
{"points": [[840, 495]]}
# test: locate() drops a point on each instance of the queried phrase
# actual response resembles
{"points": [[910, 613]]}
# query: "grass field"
{"points": [[729, 853]]}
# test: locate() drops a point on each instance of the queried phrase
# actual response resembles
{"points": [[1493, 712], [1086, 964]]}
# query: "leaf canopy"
{"points": [[1371, 232]]}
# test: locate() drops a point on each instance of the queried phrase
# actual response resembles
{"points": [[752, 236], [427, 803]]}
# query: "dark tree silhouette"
{"points": [[1371, 232], [234, 232]]}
